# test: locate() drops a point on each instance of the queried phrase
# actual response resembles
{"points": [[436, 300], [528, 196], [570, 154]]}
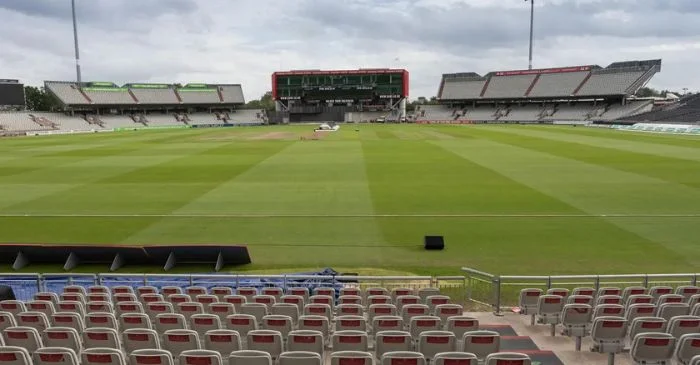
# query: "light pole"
{"points": [[75, 41], [532, 24]]}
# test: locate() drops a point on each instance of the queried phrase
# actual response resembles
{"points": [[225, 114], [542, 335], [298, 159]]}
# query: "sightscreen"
{"points": [[11, 94]]}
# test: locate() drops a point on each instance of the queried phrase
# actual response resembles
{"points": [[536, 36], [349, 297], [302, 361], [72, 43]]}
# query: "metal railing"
{"points": [[502, 291]]}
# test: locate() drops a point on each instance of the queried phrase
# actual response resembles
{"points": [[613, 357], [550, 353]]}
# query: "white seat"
{"points": [[257, 310], [26, 337], [529, 300], [324, 291], [194, 291], [369, 292], [687, 291], [71, 306], [609, 290], [323, 299], [101, 320], [14, 355], [286, 309], [98, 289], [510, 358], [170, 290], [350, 291], [223, 341], [153, 309], [609, 299], [435, 300], [638, 299], [297, 300], [576, 319], [461, 325], [425, 293], [151, 357], [72, 297], [323, 310], [695, 310], [688, 347], [350, 323], [350, 299], [75, 289], [250, 357], [247, 292], [461, 358], [629, 291], [390, 341], [420, 324], [102, 356], [201, 323], [431, 343], [242, 323], [146, 290], [47, 296], [267, 300], [221, 292], [265, 340], [301, 292], [653, 348], [152, 298], [646, 324], [300, 358], [350, 309], [178, 298], [122, 289], [55, 356], [681, 325], [72, 320], [381, 310], [101, 338], [124, 297], [128, 307], [273, 291], [351, 357], [445, 311], [408, 299], [403, 357], [414, 310], [549, 308], [608, 335], [188, 309], [98, 297], [562, 292], [134, 320], [7, 320], [640, 310], [670, 298], [99, 307], [177, 341], [206, 299], [306, 340], [349, 341], [170, 321], [139, 339], [481, 343], [12, 306], [670, 310], [609, 310], [37, 320], [658, 291], [315, 323], [236, 300], [43, 306], [62, 337], [378, 299], [281, 324], [222, 310], [200, 357], [398, 292]]}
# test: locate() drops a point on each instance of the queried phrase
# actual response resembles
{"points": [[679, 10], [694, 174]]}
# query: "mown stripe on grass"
{"points": [[596, 189], [659, 138]]}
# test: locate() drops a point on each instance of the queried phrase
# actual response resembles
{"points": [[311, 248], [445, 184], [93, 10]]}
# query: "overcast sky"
{"points": [[244, 41]]}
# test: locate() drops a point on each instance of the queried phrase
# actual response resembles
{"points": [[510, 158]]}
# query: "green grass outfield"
{"points": [[508, 199]]}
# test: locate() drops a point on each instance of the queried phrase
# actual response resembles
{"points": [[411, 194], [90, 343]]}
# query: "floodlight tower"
{"points": [[532, 25], [75, 41]]}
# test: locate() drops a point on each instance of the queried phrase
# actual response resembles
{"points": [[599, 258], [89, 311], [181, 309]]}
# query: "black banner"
{"points": [[11, 94]]}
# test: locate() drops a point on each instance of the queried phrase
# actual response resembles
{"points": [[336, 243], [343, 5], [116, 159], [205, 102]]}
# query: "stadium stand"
{"points": [[685, 111]]}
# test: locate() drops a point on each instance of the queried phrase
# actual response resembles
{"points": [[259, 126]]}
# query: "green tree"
{"points": [[39, 100], [647, 92], [265, 102]]}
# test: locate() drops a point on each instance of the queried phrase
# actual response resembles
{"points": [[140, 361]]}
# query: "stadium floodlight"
{"points": [[532, 23], [75, 42]]}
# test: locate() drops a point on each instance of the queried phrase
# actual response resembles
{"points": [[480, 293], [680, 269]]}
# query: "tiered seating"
{"points": [[462, 86], [208, 96], [508, 86], [108, 96], [16, 121], [119, 121], [558, 84], [243, 116], [67, 92], [609, 83], [163, 96], [175, 326], [654, 321], [232, 94]]}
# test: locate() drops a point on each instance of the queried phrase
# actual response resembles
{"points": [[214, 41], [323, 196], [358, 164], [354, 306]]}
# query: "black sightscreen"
{"points": [[11, 94]]}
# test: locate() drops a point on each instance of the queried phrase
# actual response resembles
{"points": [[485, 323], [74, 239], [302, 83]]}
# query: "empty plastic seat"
{"points": [[36, 320], [407, 299], [177, 341], [101, 320], [206, 299], [352, 357], [350, 291], [640, 310], [62, 337], [653, 348], [201, 323], [414, 310], [46, 296], [425, 293], [222, 310], [128, 307], [98, 297], [584, 291], [134, 320], [403, 357], [146, 290], [236, 300], [140, 338], [302, 292], [71, 306], [7, 320], [12, 306], [221, 292], [324, 291], [250, 357], [315, 323], [445, 311], [306, 340], [323, 299], [615, 310], [273, 291], [72, 320], [265, 340], [688, 348], [562, 292], [549, 308], [580, 299], [378, 299], [102, 356], [633, 290], [350, 299], [481, 343], [257, 310], [398, 292], [638, 299], [350, 323], [349, 341], [658, 291], [55, 356], [122, 289], [670, 310], [459, 325], [608, 335], [178, 298], [431, 343], [282, 324], [529, 301], [300, 358], [43, 306], [420, 324], [646, 324], [151, 357], [381, 310], [153, 309], [435, 300], [670, 298], [25, 337], [687, 291], [609, 299], [98, 289], [170, 321], [75, 289], [609, 290], [223, 341], [387, 323], [461, 358], [576, 319], [170, 290], [101, 338], [72, 297], [189, 308], [350, 309], [390, 341], [242, 323], [296, 300], [319, 310], [200, 357], [693, 301], [124, 297], [194, 291], [248, 293], [99, 307], [377, 292], [507, 358], [267, 300], [681, 325]]}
